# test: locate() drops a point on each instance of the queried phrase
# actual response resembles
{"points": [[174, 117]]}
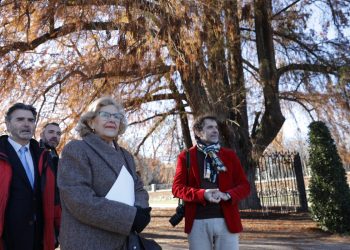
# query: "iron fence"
{"points": [[277, 183]]}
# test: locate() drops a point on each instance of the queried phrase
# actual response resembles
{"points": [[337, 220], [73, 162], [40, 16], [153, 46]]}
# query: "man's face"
{"points": [[210, 132], [21, 126], [51, 135]]}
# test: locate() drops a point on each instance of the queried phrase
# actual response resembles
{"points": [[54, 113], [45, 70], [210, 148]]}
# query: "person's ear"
{"points": [[8, 126], [91, 124], [42, 134], [197, 134]]}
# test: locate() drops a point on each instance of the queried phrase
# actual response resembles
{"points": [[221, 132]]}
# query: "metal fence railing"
{"points": [[280, 182], [276, 182]]}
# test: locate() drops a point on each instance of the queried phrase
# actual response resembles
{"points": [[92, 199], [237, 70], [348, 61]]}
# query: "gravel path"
{"points": [[280, 233]]}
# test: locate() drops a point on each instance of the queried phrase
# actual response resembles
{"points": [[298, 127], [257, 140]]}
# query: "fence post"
{"points": [[300, 183]]}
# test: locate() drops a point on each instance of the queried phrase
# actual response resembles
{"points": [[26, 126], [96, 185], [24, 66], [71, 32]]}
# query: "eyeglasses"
{"points": [[106, 115]]}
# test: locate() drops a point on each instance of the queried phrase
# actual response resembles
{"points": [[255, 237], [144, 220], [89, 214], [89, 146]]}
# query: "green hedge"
{"points": [[329, 191]]}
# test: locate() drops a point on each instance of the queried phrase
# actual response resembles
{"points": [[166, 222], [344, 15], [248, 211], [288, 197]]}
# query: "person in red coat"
{"points": [[211, 188], [29, 209]]}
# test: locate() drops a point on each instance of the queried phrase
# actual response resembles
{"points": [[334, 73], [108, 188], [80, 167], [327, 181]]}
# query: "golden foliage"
{"points": [[61, 55]]}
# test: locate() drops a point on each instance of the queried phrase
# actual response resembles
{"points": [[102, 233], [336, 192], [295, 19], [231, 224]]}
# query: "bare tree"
{"points": [[241, 59]]}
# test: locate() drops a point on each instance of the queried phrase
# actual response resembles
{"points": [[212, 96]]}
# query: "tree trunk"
{"points": [[272, 119], [215, 82], [236, 133], [182, 114]]}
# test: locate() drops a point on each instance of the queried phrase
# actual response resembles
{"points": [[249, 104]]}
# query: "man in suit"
{"points": [[29, 212], [211, 188]]}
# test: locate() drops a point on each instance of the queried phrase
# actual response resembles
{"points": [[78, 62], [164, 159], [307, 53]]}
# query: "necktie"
{"points": [[25, 164]]}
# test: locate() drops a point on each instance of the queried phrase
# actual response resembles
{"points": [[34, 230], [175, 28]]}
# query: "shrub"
{"points": [[329, 191]]}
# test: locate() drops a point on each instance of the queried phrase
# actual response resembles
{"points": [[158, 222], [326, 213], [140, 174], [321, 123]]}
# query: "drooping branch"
{"points": [[59, 82], [310, 48], [151, 98], [152, 129], [285, 8], [334, 15], [250, 65], [172, 111], [122, 74], [296, 100]]}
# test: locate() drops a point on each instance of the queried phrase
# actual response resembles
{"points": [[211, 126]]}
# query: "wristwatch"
{"points": [[228, 196]]}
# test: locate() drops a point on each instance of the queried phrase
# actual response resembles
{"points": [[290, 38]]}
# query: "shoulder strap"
{"points": [[188, 166]]}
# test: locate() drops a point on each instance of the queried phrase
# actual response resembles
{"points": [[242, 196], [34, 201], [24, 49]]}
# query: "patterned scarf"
{"points": [[212, 163]]}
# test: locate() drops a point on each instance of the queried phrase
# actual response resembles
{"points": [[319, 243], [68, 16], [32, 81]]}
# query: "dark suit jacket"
{"points": [[23, 228]]}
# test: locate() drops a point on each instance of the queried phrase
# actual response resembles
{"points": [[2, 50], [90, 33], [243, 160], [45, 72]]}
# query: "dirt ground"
{"points": [[296, 231]]}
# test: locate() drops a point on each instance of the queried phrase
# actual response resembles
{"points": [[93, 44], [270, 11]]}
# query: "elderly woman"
{"points": [[87, 171]]}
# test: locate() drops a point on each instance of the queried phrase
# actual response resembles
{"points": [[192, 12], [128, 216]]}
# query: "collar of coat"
{"points": [[112, 156]]}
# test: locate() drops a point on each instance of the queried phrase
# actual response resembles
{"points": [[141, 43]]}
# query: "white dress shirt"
{"points": [[29, 158]]}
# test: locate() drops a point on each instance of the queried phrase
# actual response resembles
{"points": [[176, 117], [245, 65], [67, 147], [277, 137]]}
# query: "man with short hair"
{"points": [[211, 188], [29, 214], [50, 137]]}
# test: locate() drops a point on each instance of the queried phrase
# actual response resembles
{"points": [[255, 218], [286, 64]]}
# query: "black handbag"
{"points": [[137, 242]]}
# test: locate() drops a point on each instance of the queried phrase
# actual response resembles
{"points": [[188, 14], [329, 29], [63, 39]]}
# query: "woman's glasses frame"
{"points": [[106, 115]]}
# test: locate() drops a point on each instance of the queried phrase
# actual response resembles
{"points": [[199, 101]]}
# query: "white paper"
{"points": [[123, 188]]}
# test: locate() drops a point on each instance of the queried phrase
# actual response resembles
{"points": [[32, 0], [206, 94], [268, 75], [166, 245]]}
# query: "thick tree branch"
{"points": [[272, 118], [183, 115], [60, 32], [308, 67], [142, 4], [155, 70]]}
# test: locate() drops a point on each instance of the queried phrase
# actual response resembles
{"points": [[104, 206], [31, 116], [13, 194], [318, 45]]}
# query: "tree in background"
{"points": [[244, 60], [329, 191]]}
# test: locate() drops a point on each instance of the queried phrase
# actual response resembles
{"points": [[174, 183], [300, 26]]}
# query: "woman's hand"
{"points": [[142, 218]]}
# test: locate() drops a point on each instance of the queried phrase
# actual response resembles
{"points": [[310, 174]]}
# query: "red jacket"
{"points": [[51, 208], [232, 181]]}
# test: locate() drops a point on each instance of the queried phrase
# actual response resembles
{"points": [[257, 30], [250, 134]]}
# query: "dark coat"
{"points": [[25, 212], [87, 170]]}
